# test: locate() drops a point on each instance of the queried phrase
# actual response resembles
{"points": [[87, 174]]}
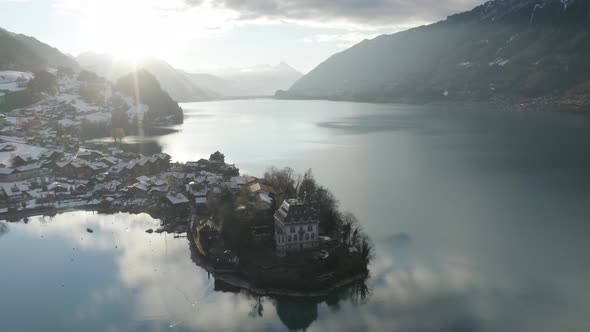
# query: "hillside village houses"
{"points": [[45, 164]]}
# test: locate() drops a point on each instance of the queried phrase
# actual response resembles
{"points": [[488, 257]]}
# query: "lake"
{"points": [[479, 218]]}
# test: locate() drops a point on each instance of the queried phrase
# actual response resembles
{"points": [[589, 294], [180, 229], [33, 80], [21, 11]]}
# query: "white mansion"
{"points": [[296, 227]]}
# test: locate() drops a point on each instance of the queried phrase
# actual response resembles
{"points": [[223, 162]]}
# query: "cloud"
{"points": [[343, 40], [355, 12]]}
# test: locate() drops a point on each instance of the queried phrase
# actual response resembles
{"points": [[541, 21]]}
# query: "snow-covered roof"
{"points": [[265, 198], [6, 171], [177, 199], [29, 167]]}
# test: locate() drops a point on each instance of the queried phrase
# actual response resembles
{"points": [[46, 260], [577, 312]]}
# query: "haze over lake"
{"points": [[479, 218]]}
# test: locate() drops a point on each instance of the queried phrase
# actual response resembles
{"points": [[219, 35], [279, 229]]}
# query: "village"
{"points": [[240, 226]]}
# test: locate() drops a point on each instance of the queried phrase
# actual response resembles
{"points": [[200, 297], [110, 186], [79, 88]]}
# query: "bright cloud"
{"points": [[352, 12], [134, 27]]}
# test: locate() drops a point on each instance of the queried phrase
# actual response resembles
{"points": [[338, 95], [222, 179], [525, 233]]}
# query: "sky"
{"points": [[205, 35]]}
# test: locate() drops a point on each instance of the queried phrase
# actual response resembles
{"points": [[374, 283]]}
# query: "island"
{"points": [[281, 234]]}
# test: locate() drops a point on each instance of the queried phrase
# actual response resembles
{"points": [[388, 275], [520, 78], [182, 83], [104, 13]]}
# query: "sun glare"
{"points": [[131, 29]]}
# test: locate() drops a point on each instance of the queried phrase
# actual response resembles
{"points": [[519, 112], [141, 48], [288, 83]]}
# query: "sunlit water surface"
{"points": [[480, 220]]}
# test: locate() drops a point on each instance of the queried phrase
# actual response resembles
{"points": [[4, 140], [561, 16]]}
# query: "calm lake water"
{"points": [[480, 220]]}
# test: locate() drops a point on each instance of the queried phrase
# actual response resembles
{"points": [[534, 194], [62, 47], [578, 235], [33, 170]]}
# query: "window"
{"points": [[292, 229], [313, 236], [289, 238], [306, 236], [295, 237], [309, 228]]}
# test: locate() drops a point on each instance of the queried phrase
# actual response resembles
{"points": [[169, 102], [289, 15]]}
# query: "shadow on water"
{"points": [[145, 147], [3, 228], [296, 313]]}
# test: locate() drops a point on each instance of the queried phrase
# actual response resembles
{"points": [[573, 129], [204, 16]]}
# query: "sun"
{"points": [[129, 32], [139, 28]]}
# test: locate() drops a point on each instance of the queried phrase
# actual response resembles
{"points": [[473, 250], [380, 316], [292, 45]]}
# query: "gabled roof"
{"points": [[30, 167], [6, 171]]}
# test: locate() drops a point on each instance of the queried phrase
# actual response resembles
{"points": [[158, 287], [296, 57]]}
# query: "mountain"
{"points": [[217, 85], [143, 86], [175, 82], [262, 80], [515, 48], [24, 53]]}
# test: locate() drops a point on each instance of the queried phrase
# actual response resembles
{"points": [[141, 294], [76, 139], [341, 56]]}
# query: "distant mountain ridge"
{"points": [[261, 80], [189, 87], [180, 88], [526, 48], [24, 53]]}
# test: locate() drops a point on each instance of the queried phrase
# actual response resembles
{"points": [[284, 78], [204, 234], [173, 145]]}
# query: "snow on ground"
{"points": [[9, 80], [21, 150], [135, 110], [68, 98]]}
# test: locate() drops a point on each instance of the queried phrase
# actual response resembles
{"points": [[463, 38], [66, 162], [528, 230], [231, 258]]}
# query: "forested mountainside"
{"points": [[517, 48]]}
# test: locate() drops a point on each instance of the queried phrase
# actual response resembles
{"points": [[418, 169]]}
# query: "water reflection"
{"points": [[482, 217], [3, 228], [120, 278]]}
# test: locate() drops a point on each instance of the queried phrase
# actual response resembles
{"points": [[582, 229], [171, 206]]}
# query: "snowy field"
{"points": [[9, 80]]}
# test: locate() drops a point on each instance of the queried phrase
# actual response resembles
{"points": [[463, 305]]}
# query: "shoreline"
{"points": [[236, 277], [240, 282], [504, 103]]}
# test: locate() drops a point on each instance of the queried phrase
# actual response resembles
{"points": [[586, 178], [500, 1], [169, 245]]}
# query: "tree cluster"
{"points": [[217, 156], [235, 231], [43, 82], [342, 226]]}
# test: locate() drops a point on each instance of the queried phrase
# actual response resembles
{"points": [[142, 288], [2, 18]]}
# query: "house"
{"points": [[261, 195], [7, 147], [7, 174], [20, 160], [179, 204], [194, 166], [59, 188], [79, 168], [296, 227], [138, 190], [20, 173], [176, 199], [111, 186], [89, 154], [16, 192], [111, 161], [29, 171], [259, 188], [262, 202], [158, 191], [51, 155], [196, 189]]}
